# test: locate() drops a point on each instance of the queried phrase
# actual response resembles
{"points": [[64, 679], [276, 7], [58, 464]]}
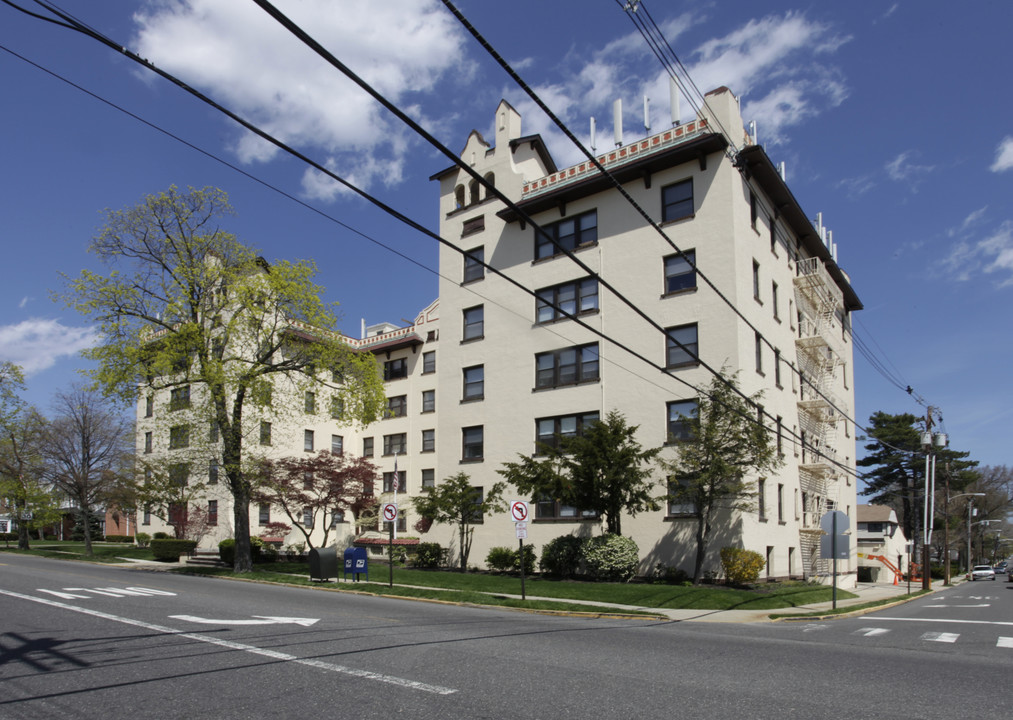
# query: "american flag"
{"points": [[394, 483]]}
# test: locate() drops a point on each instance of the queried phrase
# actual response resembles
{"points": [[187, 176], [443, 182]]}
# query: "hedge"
{"points": [[169, 550]]}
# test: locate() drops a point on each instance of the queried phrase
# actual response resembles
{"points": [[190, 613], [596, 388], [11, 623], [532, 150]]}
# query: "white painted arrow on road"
{"points": [[258, 620]]}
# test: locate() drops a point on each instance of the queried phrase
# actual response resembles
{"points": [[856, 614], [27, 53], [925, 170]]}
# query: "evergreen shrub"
{"points": [[561, 556]]}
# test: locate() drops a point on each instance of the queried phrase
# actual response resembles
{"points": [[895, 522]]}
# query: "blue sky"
{"points": [[894, 120]]}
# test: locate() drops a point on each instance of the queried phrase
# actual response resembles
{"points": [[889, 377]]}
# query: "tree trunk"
{"points": [[22, 525], [702, 537], [86, 524]]}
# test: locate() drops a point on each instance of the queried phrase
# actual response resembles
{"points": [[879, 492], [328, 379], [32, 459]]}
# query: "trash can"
{"points": [[323, 563]]}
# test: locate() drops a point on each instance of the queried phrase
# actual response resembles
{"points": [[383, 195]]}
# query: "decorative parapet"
{"points": [[616, 158]]}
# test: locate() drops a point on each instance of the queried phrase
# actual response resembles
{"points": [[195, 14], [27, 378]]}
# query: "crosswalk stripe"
{"points": [[1005, 642], [940, 637]]}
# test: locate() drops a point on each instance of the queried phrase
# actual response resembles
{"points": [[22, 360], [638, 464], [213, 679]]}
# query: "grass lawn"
{"points": [[488, 588], [67, 550]]}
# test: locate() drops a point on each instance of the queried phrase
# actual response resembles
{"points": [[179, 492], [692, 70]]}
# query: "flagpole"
{"points": [[395, 483]]}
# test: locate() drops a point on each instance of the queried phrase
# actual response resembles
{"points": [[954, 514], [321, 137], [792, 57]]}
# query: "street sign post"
{"points": [[834, 543], [388, 511], [519, 513]]}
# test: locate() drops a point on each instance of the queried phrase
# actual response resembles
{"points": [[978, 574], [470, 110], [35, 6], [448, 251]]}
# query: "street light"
{"points": [[946, 527]]}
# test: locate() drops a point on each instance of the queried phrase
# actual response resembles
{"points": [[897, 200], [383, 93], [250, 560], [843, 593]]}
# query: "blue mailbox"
{"points": [[356, 563]]}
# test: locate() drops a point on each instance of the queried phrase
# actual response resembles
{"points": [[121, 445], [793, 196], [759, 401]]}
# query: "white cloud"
{"points": [[970, 221], [1003, 155], [23, 303], [902, 169], [37, 344], [239, 55], [992, 255]]}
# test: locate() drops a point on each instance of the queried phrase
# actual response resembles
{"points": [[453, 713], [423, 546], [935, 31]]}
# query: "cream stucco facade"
{"points": [[490, 369]]}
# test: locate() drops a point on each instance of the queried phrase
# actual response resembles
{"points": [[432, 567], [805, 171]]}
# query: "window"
{"points": [[680, 415], [337, 517], [179, 437], [681, 346], [677, 201], [477, 516], [777, 367], [394, 369], [310, 403], [428, 441], [264, 516], [472, 443], [428, 401], [149, 406], [397, 406], [428, 362], [473, 267], [473, 225], [337, 408], [773, 234], [307, 481], [212, 512], [474, 323], [147, 442], [774, 300], [307, 440], [337, 375], [394, 443], [567, 366], [752, 209], [474, 382], [146, 518], [265, 432], [756, 281], [761, 498], [212, 472], [307, 517], [367, 447], [678, 501], [179, 474], [179, 398], [680, 272], [570, 234], [780, 502], [548, 509], [176, 513], [549, 431], [428, 478], [213, 431], [779, 423], [573, 298], [758, 349], [389, 484], [337, 444]]}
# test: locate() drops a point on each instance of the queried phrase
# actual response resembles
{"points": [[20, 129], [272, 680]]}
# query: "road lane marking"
{"points": [[871, 632], [940, 637], [1005, 642], [70, 593], [958, 606], [252, 649], [877, 618], [258, 620]]}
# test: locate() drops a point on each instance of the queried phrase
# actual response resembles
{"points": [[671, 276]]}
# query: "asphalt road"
{"points": [[90, 641]]}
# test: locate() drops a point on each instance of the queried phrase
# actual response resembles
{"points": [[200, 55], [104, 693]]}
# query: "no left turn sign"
{"points": [[389, 512], [519, 510]]}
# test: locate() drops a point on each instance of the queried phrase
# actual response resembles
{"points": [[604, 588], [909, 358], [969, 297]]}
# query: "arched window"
{"points": [[459, 197], [491, 179], [473, 187]]}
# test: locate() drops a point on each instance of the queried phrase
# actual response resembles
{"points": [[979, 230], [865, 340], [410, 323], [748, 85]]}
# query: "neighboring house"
{"points": [[505, 371], [882, 545]]}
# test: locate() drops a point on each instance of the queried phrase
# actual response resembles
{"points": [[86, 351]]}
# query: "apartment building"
{"points": [[745, 283]]}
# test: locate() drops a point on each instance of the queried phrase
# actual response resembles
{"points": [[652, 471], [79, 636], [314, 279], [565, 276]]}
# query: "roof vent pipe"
{"points": [[617, 121], [592, 135]]}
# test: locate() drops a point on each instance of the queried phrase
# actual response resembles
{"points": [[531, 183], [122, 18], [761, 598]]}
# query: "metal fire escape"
{"points": [[818, 297]]}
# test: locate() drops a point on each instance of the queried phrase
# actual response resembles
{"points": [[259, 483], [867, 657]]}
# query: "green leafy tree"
{"points": [[712, 469], [604, 470], [896, 468], [186, 304], [455, 501], [22, 474], [322, 485]]}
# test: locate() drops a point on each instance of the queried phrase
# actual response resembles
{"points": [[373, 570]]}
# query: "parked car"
{"points": [[982, 572], [1009, 571]]}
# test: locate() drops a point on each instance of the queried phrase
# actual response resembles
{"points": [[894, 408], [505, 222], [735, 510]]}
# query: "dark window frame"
{"points": [[680, 275], [677, 414], [551, 302], [551, 367], [675, 203], [474, 323], [473, 389], [474, 269], [676, 356], [579, 235], [473, 447], [580, 421]]}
